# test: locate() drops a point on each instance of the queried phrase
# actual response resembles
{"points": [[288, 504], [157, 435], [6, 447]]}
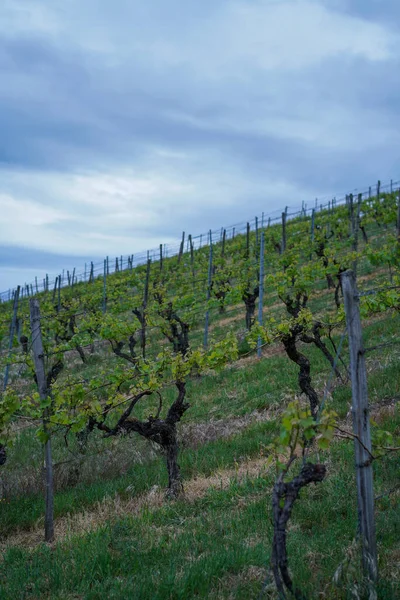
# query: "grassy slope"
{"points": [[216, 544]]}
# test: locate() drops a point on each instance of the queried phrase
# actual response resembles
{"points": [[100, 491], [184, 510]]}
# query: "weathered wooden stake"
{"points": [[283, 245], [398, 219], [181, 247], [12, 333], [208, 295], [361, 426], [261, 292], [38, 356], [105, 287]]}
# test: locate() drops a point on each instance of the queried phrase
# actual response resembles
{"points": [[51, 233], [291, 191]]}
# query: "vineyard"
{"points": [[162, 421]]}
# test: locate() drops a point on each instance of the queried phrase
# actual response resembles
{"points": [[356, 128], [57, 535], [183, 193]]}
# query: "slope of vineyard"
{"points": [[117, 350]]}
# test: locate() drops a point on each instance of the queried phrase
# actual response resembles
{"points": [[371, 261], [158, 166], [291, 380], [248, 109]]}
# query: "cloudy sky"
{"points": [[124, 122]]}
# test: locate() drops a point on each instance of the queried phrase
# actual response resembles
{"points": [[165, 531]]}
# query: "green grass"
{"points": [[216, 545]]}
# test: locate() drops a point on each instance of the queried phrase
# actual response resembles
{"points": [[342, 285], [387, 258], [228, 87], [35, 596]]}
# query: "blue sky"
{"points": [[123, 123]]}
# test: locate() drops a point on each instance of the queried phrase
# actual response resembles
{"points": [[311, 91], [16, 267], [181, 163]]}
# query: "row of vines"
{"points": [[113, 356]]}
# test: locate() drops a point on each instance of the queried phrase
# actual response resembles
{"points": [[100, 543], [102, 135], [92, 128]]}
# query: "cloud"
{"points": [[125, 123]]}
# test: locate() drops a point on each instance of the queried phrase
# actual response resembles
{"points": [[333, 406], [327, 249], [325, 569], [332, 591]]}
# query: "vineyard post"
{"points": [[391, 186], [73, 276], [38, 356], [161, 257], [378, 189], [192, 255], [361, 426], [55, 289], [105, 287], [398, 220], [91, 276], [12, 332], [108, 265], [59, 294], [256, 221], [247, 240], [283, 246], [233, 233], [181, 247], [116, 265], [312, 229], [68, 278], [369, 192], [36, 285], [261, 291], [356, 230], [144, 305], [84, 276], [269, 222], [205, 342], [47, 282], [262, 220], [121, 264], [351, 214]]}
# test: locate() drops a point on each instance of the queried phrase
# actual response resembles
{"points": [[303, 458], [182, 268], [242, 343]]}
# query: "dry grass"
{"points": [[111, 509]]}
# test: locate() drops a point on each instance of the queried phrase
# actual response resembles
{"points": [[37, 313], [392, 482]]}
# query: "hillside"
{"points": [[169, 348]]}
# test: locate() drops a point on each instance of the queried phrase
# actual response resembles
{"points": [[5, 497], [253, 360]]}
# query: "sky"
{"points": [[124, 123]]}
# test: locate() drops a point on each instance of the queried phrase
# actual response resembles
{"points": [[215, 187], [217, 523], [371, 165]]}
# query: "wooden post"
{"points": [[398, 220], [73, 276], [108, 265], [55, 289], [261, 291], [205, 341], [361, 426], [36, 285], [59, 294], [351, 214], [312, 225], [161, 257], [181, 247], [356, 230], [12, 333], [105, 287], [223, 243], [378, 189], [233, 233], [247, 240], [38, 356], [84, 277], [191, 256], [391, 186], [283, 245], [256, 221], [91, 276]]}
